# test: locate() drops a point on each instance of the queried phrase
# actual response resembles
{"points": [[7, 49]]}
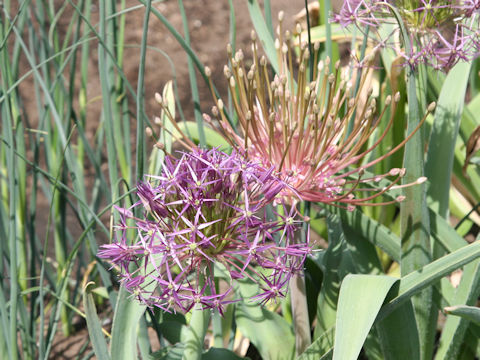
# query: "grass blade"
{"points": [[94, 328]]}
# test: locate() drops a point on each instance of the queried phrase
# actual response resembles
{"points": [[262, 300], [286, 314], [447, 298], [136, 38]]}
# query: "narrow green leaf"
{"points": [[356, 313], [455, 328], [429, 274], [193, 79], [263, 33], [470, 313], [93, 323]]}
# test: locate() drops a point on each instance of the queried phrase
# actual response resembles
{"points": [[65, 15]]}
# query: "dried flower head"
{"points": [[441, 32], [206, 211], [317, 134]]}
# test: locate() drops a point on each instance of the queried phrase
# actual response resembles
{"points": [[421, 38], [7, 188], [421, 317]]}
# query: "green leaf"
{"points": [[470, 313], [429, 274], [371, 230], [93, 324], [213, 139], [195, 335], [441, 149], [399, 334], [321, 348], [124, 328], [268, 331], [263, 34], [217, 353], [455, 328], [332, 277], [356, 313]]}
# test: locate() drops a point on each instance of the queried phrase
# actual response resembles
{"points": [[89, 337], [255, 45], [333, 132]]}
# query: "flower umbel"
{"points": [[441, 32], [317, 134], [206, 210]]}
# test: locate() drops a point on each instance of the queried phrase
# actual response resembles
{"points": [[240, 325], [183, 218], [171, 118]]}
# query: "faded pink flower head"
{"points": [[317, 134]]}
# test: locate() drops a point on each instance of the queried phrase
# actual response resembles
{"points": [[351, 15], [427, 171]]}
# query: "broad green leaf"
{"points": [[174, 352], [441, 149], [93, 324], [399, 334], [470, 313], [268, 331], [213, 139], [368, 228], [171, 326], [360, 299], [195, 334], [218, 353], [321, 348], [124, 328], [332, 277]]}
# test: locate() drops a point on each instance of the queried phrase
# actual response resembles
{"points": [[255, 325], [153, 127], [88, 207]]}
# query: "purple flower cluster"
{"points": [[206, 211], [441, 32]]}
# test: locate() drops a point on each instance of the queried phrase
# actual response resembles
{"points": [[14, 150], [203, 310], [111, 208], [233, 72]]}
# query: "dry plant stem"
{"points": [[301, 322]]}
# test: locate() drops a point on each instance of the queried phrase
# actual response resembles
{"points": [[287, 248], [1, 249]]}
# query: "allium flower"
{"points": [[441, 32], [316, 134], [206, 211]]}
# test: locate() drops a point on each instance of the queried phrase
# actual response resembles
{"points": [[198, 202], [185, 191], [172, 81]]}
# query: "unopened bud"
{"points": [[160, 146], [158, 98], [432, 106], [253, 35], [298, 28], [400, 198], [397, 97], [226, 71], [157, 120], [208, 72], [388, 100], [239, 55], [421, 179], [277, 44], [215, 111], [281, 16], [148, 131], [220, 104]]}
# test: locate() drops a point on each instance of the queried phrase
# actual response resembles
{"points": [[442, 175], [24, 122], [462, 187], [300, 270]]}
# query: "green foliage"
{"points": [[377, 277]]}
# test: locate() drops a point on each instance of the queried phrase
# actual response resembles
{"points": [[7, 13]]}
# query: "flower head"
{"points": [[316, 134], [441, 32], [205, 211]]}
